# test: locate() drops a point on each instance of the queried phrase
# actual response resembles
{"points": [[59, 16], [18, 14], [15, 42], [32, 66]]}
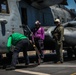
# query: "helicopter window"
{"points": [[4, 6], [62, 20]]}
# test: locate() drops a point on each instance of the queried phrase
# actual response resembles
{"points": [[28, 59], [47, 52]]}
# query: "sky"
{"points": [[71, 4]]}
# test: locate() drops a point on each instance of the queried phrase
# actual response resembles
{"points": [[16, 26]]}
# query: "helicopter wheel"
{"points": [[69, 53]]}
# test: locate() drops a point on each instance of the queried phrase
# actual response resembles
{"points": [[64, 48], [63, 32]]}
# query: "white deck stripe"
{"points": [[73, 74], [58, 65], [30, 72]]}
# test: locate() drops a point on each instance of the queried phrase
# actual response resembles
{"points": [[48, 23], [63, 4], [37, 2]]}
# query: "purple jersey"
{"points": [[39, 33]]}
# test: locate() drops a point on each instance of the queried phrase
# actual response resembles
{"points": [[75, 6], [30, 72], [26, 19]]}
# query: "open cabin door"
{"points": [[24, 15], [24, 22]]}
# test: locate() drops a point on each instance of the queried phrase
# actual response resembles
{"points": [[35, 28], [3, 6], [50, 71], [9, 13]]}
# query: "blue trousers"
{"points": [[21, 46], [40, 45]]}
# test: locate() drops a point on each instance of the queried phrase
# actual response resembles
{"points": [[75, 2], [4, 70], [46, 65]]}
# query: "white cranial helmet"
{"points": [[57, 20], [37, 22]]}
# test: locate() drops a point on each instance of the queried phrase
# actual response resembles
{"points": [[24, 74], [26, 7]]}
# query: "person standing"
{"points": [[57, 34], [21, 43], [38, 34]]}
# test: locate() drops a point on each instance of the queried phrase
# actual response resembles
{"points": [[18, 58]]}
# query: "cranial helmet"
{"points": [[57, 20], [37, 22]]}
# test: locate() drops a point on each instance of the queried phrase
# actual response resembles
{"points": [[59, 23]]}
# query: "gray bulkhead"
{"points": [[13, 22], [44, 15]]}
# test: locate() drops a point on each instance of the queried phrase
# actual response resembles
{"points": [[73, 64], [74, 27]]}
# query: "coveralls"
{"points": [[58, 33], [39, 38]]}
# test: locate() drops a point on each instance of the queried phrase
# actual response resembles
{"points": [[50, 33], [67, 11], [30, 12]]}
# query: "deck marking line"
{"points": [[73, 74], [58, 65], [30, 72]]}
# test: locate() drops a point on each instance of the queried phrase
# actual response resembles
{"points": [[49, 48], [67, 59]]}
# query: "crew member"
{"points": [[38, 32], [58, 33], [21, 43]]}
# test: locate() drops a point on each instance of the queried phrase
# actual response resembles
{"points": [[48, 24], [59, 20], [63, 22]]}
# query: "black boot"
{"points": [[10, 67]]}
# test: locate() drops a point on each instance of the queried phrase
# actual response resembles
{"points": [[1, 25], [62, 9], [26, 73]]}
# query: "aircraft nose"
{"points": [[66, 32], [67, 35]]}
